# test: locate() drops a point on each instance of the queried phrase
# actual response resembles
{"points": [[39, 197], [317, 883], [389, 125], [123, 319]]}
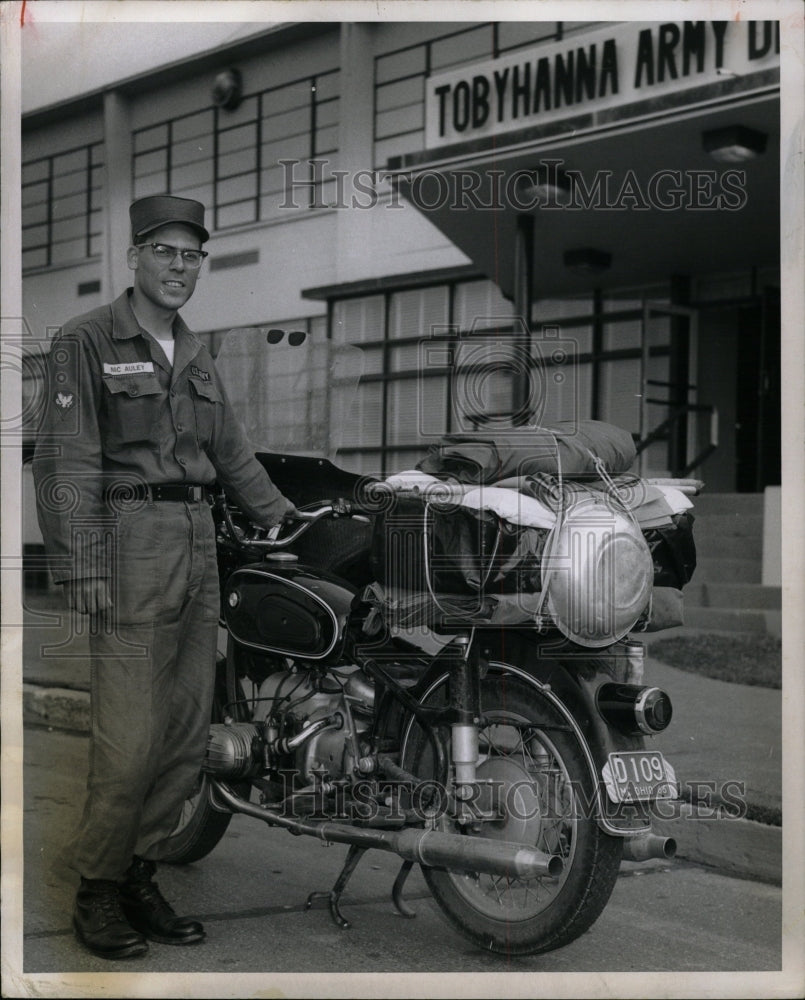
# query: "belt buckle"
{"points": [[194, 493]]}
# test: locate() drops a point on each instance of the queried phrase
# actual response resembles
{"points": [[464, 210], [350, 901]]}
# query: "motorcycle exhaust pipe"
{"points": [[493, 857], [432, 848], [648, 846]]}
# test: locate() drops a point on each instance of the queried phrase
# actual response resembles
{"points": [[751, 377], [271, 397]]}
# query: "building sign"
{"points": [[606, 68]]}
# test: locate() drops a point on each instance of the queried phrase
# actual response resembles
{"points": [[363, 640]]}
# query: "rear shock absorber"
{"points": [[465, 712]]}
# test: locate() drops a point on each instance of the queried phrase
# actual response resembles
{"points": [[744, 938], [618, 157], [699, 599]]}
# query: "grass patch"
{"points": [[768, 815], [754, 660]]}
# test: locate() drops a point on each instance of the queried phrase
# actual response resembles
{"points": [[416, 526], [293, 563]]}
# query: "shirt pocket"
{"points": [[206, 401], [132, 408]]}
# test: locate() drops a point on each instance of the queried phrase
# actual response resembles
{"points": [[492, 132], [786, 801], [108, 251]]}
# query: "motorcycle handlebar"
{"points": [[307, 518]]}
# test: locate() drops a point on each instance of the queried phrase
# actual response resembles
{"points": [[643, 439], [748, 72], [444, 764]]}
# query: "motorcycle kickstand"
{"points": [[354, 855], [396, 891]]}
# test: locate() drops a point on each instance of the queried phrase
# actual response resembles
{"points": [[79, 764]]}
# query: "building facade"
{"points": [[515, 223]]}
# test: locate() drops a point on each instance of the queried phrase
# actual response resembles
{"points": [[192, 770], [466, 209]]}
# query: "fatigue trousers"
{"points": [[152, 680]]}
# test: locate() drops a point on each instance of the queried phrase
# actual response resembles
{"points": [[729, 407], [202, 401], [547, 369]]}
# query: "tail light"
{"points": [[634, 709]]}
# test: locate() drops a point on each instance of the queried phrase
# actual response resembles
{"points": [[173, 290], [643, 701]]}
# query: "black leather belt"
{"points": [[187, 492], [176, 492]]}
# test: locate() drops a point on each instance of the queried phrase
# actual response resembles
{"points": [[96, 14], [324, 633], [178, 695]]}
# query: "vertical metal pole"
{"points": [[215, 147], [258, 165], [680, 373], [523, 297], [49, 249], [117, 192], [644, 358], [88, 206], [598, 347]]}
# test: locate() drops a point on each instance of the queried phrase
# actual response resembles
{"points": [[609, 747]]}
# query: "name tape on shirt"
{"points": [[129, 368]]}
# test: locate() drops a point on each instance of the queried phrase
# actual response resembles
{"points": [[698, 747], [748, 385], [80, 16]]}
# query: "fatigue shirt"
{"points": [[117, 415]]}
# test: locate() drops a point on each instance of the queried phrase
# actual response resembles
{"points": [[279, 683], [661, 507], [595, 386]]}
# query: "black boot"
{"points": [[99, 922], [150, 913]]}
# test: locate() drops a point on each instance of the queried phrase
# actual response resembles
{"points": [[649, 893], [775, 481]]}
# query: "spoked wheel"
{"points": [[545, 795]]}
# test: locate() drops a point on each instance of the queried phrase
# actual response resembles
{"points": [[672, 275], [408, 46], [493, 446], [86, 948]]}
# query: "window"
{"points": [[400, 75], [453, 358], [230, 160], [62, 198], [416, 385]]}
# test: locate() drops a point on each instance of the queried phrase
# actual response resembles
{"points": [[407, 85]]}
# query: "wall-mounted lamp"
{"points": [[227, 89], [587, 260], [545, 185], [734, 144]]}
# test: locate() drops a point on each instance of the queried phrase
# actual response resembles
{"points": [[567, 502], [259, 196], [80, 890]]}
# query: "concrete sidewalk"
{"points": [[724, 742]]}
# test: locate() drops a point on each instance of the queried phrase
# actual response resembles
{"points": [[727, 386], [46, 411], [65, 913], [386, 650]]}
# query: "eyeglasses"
{"points": [[165, 254]]}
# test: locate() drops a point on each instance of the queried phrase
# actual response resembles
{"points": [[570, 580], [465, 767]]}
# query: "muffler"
{"points": [[494, 857], [648, 846], [432, 848]]}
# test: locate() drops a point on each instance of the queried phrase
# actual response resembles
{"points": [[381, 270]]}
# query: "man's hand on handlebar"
{"points": [[293, 525]]}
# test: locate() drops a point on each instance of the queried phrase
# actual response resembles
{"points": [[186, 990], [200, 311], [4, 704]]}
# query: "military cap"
{"points": [[158, 210]]}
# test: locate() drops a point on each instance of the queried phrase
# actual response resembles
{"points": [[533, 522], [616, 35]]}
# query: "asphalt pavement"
{"points": [[671, 917], [725, 743]]}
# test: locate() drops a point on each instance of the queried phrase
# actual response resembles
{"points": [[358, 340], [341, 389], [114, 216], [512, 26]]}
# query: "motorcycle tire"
{"points": [[525, 746], [201, 826]]}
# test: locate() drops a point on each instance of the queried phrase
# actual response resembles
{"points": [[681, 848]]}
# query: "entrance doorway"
{"points": [[739, 364], [678, 429], [632, 362]]}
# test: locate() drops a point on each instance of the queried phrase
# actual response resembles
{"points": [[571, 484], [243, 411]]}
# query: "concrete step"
{"points": [[711, 544], [713, 569], [728, 503], [734, 620], [726, 525], [733, 595]]}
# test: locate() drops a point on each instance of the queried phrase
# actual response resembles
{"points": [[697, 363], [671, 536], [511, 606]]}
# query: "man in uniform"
{"points": [[136, 429]]}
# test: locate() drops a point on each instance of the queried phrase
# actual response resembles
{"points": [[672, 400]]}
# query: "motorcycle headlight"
{"points": [[598, 572]]}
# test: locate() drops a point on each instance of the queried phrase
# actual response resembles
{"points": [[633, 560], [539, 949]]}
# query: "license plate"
{"points": [[639, 776]]}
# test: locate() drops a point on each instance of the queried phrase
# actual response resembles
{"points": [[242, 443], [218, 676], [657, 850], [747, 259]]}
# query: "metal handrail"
{"points": [[677, 414]]}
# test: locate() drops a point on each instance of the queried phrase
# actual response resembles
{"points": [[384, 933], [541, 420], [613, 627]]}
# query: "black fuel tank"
{"points": [[291, 610]]}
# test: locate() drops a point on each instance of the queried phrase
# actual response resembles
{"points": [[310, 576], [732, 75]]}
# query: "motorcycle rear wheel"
{"points": [[549, 788]]}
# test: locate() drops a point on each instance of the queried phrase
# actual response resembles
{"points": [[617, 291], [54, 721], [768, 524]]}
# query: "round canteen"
{"points": [[598, 573]]}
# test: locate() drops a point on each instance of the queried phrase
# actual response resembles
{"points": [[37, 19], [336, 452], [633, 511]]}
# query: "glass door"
{"points": [[676, 429]]}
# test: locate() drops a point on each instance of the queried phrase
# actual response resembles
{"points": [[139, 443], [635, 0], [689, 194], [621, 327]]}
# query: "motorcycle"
{"points": [[495, 736]]}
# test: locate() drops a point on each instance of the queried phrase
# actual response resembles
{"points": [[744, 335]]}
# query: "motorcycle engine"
{"points": [[289, 703]]}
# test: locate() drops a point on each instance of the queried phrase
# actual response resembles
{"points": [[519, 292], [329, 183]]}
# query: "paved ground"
{"points": [[724, 741], [250, 892], [665, 916]]}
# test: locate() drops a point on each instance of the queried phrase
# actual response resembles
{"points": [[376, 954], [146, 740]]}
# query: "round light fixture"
{"points": [[227, 89]]}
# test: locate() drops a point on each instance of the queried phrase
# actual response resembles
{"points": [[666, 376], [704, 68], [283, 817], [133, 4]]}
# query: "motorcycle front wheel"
{"points": [[200, 826], [548, 795]]}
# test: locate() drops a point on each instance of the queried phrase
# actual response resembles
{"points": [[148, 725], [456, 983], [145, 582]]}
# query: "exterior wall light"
{"points": [[546, 184], [587, 260], [227, 89], [734, 144]]}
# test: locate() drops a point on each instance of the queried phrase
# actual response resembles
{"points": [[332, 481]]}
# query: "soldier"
{"points": [[136, 430]]}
